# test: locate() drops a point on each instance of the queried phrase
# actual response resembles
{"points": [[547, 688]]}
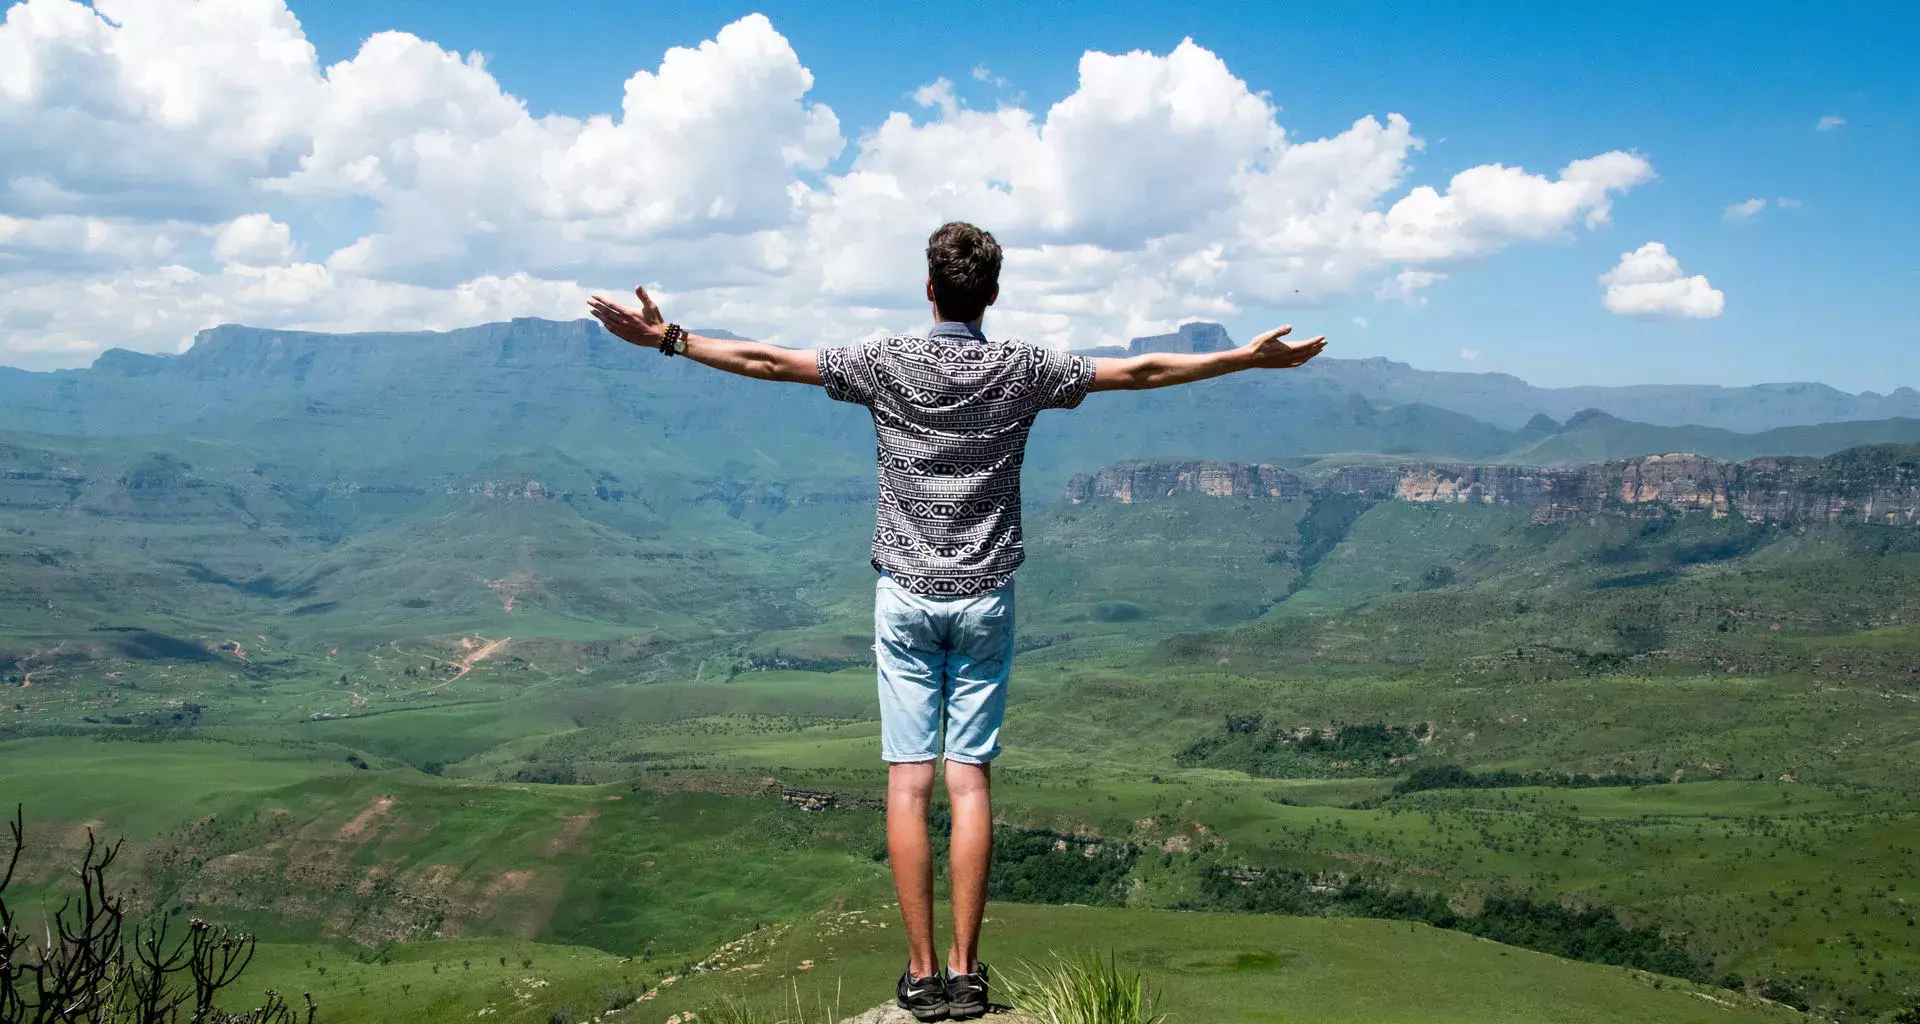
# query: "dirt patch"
{"points": [[55, 849], [570, 832], [478, 650], [503, 883], [366, 822], [512, 903], [510, 587], [439, 876], [372, 878]]}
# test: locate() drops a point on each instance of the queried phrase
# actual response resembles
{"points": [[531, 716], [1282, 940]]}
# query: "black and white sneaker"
{"points": [[925, 998], [967, 994]]}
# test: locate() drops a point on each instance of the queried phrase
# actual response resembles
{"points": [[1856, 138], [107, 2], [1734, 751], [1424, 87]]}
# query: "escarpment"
{"points": [[1878, 484]]}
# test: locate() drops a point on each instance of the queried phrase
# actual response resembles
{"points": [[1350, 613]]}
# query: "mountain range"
{"points": [[408, 405]]}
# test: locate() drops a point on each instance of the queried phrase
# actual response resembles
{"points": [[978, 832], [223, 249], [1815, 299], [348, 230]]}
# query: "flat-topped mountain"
{"points": [[1193, 337], [1877, 484]]}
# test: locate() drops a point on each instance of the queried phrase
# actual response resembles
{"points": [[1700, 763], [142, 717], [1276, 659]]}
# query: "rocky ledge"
{"points": [[1144, 481], [1876, 484]]}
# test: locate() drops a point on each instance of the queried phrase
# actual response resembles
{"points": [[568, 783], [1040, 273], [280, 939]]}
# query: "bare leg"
{"points": [[909, 787], [968, 786]]}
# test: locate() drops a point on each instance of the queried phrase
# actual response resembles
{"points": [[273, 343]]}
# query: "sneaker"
{"points": [[925, 998], [967, 994]]}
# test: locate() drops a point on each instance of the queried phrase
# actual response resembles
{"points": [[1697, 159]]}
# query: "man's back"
{"points": [[951, 415]]}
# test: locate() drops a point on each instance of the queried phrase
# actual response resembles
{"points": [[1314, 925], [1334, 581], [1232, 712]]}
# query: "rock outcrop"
{"points": [[1863, 485], [1144, 481], [1194, 337]]}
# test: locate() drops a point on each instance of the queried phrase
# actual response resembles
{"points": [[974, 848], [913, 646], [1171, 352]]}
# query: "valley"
{"points": [[537, 663]]}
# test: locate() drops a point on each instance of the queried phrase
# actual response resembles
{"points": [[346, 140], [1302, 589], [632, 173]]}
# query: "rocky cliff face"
{"points": [[1864, 485], [1193, 337], [1144, 481]]}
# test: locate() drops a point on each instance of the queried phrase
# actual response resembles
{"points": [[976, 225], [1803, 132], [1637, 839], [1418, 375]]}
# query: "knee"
{"points": [[968, 781], [911, 781]]}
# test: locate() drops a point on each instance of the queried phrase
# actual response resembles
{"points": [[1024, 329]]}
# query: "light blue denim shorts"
{"points": [[942, 658]]}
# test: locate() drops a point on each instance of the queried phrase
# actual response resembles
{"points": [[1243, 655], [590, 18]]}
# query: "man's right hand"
{"points": [[644, 326], [1272, 351]]}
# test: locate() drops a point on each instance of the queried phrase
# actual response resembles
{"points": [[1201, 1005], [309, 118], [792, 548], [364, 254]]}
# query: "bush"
{"points": [[1042, 867], [1593, 934]]}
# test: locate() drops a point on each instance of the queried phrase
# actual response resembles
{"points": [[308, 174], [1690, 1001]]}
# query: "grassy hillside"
{"points": [[412, 681]]}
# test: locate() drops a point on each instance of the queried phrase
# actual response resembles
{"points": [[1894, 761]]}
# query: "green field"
{"points": [[448, 742]]}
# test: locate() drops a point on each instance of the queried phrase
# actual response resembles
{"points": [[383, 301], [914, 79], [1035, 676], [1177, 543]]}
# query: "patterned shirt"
{"points": [[951, 412]]}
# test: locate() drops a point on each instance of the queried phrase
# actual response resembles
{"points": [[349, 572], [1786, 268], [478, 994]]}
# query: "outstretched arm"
{"points": [[645, 327], [1269, 351]]}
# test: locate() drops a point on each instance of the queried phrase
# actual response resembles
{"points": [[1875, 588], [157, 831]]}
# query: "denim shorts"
{"points": [[942, 658]]}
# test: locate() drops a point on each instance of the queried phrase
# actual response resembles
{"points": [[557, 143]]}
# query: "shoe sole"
{"points": [[925, 1017], [958, 1012]]}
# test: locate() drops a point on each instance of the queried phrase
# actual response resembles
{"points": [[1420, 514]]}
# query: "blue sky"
{"points": [[1722, 101]]}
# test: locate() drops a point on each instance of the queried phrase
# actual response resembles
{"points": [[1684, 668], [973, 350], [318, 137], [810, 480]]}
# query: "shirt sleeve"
{"points": [[1061, 379], [848, 373]]}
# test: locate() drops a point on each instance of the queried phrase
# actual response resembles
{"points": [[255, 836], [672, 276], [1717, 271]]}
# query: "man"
{"points": [[951, 411]]}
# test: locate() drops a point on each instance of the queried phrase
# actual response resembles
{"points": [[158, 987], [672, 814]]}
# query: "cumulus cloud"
{"points": [[255, 239], [1742, 210], [1470, 354], [1828, 122], [1649, 282], [1407, 286], [155, 153]]}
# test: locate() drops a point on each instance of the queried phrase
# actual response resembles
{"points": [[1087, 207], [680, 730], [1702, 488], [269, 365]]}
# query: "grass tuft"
{"points": [[1081, 989], [735, 1010]]}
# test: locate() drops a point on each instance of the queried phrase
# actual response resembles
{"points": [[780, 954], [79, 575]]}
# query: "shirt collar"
{"points": [[955, 329]]}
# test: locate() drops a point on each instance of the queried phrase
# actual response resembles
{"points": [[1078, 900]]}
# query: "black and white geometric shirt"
{"points": [[951, 413]]}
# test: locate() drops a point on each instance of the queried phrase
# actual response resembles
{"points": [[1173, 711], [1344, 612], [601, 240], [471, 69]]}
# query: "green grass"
{"points": [[1776, 663], [1083, 988], [1234, 968]]}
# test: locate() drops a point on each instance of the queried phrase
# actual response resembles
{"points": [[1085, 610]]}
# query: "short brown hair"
{"points": [[964, 264]]}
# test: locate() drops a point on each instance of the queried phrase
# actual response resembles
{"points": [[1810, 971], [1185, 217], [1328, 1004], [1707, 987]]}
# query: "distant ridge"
{"points": [[1508, 401], [1499, 399], [389, 407], [1871, 485]]}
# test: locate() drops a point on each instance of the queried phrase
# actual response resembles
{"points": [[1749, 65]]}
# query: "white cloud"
{"points": [[1360, 322], [149, 106], [706, 147], [1470, 354], [1743, 210], [1828, 122], [68, 243], [938, 93], [255, 239], [1407, 285], [155, 153], [982, 73], [1649, 282], [1787, 204], [173, 301]]}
